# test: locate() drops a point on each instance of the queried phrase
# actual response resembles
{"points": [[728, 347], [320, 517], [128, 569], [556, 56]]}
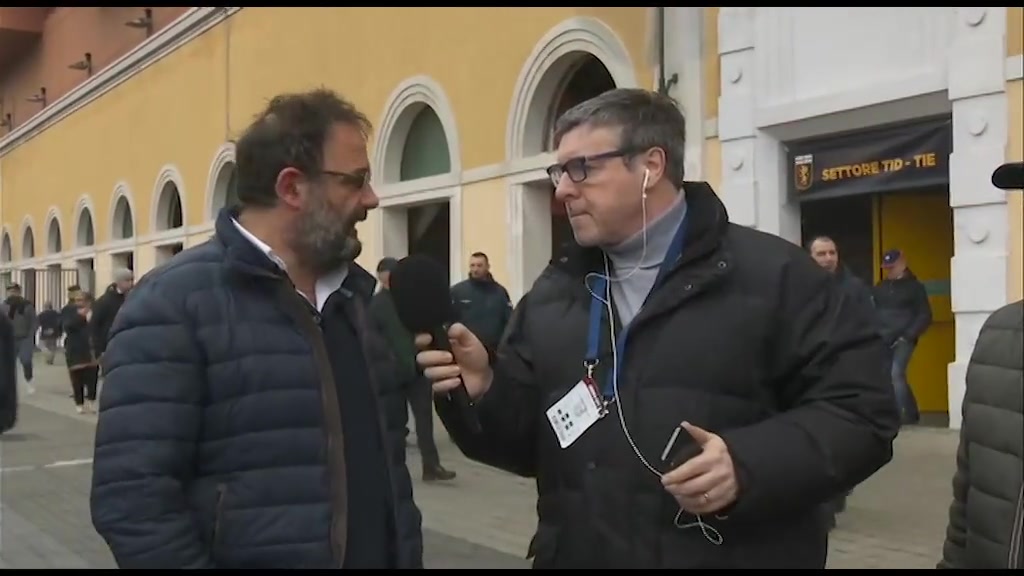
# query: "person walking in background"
{"points": [[83, 367], [49, 331], [483, 305], [22, 315], [986, 518], [70, 311], [417, 388], [107, 306], [904, 313]]}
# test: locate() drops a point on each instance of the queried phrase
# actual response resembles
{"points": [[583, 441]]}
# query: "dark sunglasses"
{"points": [[576, 168]]}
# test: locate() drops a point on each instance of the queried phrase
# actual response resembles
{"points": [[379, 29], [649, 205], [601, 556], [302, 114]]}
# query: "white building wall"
{"points": [[790, 73]]}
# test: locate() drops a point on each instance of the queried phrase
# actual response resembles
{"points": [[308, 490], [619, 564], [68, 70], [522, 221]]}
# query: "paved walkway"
{"points": [[484, 518]]}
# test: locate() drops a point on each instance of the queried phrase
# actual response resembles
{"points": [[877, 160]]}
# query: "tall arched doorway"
{"points": [[585, 77], [170, 217], [425, 154], [122, 230], [416, 167]]}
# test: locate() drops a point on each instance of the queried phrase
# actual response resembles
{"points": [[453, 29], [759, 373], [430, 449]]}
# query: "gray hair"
{"points": [[647, 120]]}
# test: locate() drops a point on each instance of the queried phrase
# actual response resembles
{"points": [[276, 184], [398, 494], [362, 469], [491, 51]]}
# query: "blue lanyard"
{"points": [[599, 290]]}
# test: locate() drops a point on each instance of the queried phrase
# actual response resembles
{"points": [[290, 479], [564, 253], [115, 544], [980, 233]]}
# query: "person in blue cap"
{"points": [[903, 314]]}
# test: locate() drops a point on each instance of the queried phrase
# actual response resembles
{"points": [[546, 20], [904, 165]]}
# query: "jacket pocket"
{"points": [[218, 518]]}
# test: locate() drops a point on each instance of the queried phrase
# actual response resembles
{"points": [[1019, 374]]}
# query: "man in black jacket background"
{"points": [[826, 253], [107, 306], [482, 304]]}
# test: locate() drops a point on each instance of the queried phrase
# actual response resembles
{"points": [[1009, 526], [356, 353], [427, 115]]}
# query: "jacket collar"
{"points": [[244, 257], [706, 229]]}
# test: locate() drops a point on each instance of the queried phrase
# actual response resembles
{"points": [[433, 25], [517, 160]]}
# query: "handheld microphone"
{"points": [[423, 301]]}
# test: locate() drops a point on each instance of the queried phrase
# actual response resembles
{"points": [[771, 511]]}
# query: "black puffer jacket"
{"points": [[903, 308], [219, 441], [985, 520], [104, 310], [747, 338]]}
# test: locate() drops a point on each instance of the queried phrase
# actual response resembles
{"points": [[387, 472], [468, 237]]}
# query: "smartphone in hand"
{"points": [[681, 447]]}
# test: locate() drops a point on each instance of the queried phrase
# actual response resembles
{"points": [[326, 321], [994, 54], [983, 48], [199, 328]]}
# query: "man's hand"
{"points": [[707, 482], [467, 359]]}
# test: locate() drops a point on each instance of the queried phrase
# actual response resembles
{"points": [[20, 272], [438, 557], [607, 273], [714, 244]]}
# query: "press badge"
{"points": [[574, 414]]}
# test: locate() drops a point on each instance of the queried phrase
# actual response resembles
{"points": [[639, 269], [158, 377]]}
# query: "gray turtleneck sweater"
{"points": [[631, 286]]}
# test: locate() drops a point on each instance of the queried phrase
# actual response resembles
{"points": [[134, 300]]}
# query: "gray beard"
{"points": [[323, 244]]}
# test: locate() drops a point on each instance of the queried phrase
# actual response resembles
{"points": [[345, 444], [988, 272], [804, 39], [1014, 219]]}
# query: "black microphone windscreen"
{"points": [[419, 287]]}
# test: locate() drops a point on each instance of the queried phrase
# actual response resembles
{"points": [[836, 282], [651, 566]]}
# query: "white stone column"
{"points": [[736, 103], [684, 42], [978, 270]]}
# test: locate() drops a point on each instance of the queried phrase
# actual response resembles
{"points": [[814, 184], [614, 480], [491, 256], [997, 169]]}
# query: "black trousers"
{"points": [[420, 399], [83, 383]]}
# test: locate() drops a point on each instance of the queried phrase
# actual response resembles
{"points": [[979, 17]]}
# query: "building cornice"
{"points": [[184, 29]]}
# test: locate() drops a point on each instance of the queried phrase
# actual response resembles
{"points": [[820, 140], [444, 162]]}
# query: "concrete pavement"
{"points": [[483, 519]]}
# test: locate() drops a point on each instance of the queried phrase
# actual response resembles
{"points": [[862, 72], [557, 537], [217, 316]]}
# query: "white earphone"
{"points": [[647, 177]]}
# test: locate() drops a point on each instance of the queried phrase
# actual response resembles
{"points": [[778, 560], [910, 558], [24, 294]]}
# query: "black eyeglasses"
{"points": [[576, 168], [357, 181]]}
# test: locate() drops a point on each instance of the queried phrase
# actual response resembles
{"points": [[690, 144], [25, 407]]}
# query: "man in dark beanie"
{"points": [[417, 389]]}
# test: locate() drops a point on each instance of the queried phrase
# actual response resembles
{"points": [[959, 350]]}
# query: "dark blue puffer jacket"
{"points": [[219, 435]]}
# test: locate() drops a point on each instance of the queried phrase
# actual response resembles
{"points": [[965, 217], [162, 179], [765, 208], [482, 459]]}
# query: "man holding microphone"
{"points": [[688, 393]]}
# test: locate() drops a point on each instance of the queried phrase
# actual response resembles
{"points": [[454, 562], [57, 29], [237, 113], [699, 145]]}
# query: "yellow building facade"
{"points": [[132, 166]]}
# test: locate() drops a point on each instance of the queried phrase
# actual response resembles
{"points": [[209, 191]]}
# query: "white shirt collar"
{"points": [[325, 285]]}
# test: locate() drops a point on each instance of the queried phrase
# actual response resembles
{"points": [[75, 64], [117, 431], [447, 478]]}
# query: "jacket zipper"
{"points": [[332, 532], [1017, 533], [217, 514]]}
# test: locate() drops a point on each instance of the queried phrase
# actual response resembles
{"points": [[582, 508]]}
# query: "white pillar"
{"points": [[978, 270]]}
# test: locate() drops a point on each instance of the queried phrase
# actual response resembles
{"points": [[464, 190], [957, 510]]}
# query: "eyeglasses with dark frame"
{"points": [[357, 181], [576, 168]]}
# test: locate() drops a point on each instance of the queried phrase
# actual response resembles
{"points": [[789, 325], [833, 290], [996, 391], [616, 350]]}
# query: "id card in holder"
{"points": [[574, 414]]}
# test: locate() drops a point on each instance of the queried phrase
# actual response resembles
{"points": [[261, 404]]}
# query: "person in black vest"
{"points": [[251, 417]]}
